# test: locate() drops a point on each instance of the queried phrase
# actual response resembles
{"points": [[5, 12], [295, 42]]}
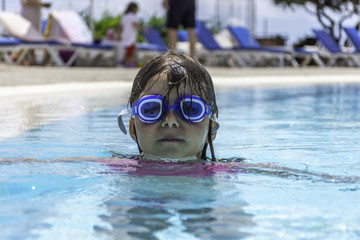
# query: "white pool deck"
{"points": [[34, 96]]}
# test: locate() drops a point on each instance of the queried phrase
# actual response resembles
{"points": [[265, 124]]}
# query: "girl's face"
{"points": [[171, 137]]}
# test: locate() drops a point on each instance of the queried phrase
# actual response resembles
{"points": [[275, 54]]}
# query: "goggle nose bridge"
{"points": [[170, 107]]}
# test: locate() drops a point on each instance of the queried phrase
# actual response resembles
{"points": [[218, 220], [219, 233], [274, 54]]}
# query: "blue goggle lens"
{"points": [[151, 109], [148, 108], [193, 109]]}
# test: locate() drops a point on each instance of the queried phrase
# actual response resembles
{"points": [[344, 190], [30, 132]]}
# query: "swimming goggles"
{"points": [[151, 108]]}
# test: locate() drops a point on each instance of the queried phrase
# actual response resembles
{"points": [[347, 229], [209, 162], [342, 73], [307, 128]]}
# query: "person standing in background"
{"points": [[127, 32], [180, 13], [31, 10]]}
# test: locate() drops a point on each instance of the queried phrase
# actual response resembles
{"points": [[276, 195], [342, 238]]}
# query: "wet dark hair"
{"points": [[131, 7], [178, 70]]}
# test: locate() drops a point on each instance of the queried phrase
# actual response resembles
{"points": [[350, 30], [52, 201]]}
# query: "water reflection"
{"points": [[173, 207], [21, 113]]}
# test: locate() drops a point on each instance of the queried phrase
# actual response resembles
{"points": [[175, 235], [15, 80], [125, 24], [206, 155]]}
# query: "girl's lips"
{"points": [[170, 139]]}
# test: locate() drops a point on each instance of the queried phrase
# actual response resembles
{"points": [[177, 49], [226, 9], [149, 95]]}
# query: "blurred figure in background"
{"points": [[180, 13], [31, 10], [127, 32]]}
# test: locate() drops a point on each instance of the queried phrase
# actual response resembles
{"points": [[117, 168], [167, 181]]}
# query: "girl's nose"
{"points": [[170, 120]]}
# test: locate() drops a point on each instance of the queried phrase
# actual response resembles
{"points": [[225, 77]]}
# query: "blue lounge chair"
{"points": [[334, 52], [153, 37], [215, 54], [307, 55], [153, 46], [10, 46], [50, 47], [7, 41], [243, 37], [30, 40], [7, 47], [83, 50], [24, 39], [183, 36], [92, 54], [259, 54], [354, 37]]}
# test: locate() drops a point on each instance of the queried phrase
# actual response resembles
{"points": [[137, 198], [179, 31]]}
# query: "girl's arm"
{"points": [[137, 26], [118, 32], [166, 4]]}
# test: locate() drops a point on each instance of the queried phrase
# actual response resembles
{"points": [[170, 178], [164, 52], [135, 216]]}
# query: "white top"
{"points": [[129, 32], [32, 13]]}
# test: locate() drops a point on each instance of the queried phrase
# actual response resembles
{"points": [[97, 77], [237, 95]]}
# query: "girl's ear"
{"points": [[132, 129], [214, 128]]}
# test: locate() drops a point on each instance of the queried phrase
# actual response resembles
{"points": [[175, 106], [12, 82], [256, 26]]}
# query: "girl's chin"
{"points": [[169, 158]]}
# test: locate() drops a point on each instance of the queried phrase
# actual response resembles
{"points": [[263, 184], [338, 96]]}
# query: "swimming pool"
{"points": [[300, 180]]}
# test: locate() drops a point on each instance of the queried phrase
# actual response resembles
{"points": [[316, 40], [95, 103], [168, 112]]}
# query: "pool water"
{"points": [[300, 178]]}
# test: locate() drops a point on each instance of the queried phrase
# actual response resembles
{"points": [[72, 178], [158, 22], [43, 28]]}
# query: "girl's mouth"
{"points": [[170, 139]]}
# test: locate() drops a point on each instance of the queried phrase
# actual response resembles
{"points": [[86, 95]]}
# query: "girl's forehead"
{"points": [[159, 85]]}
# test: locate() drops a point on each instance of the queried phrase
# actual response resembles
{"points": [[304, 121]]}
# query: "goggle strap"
{"points": [[210, 142], [120, 121]]}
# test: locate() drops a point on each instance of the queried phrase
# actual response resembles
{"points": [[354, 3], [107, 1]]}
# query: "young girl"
{"points": [[128, 31], [174, 112]]}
